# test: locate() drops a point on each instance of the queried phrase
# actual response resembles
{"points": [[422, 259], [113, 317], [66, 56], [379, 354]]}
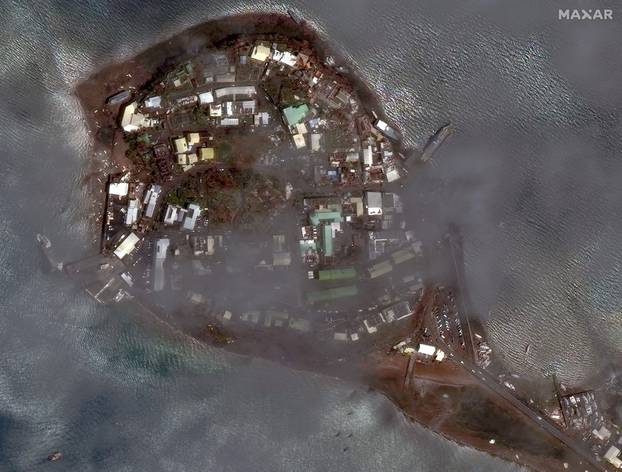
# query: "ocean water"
{"points": [[529, 177]]}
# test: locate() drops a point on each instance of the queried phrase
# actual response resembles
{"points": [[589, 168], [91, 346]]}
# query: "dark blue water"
{"points": [[530, 177]]}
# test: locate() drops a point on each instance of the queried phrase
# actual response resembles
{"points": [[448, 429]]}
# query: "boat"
{"points": [[46, 245], [119, 97], [55, 456], [44, 241], [435, 141], [386, 130], [527, 349]]}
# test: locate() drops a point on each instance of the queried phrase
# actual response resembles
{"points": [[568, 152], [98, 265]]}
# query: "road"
{"points": [[488, 381]]}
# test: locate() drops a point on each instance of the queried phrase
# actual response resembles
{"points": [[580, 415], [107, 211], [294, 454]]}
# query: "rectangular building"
{"points": [[127, 246]]}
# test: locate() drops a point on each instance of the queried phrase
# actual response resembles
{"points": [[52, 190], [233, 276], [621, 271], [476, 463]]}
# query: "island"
{"points": [[250, 188]]}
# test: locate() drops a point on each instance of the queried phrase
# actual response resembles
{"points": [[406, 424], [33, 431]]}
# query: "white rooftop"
{"points": [[119, 189], [426, 349], [206, 97], [153, 102], [126, 246]]}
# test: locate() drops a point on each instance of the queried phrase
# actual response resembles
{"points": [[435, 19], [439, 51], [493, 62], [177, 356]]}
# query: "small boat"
{"points": [[527, 349], [44, 241], [55, 456]]}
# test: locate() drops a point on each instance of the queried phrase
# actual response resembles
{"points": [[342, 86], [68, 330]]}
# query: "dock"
{"points": [[435, 141]]}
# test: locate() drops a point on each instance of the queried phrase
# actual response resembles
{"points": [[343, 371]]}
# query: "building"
{"points": [[132, 212], [251, 316], [374, 203], [248, 107], [235, 90], [118, 97], [340, 336], [613, 457], [153, 102], [285, 57], [386, 130], [206, 153], [126, 246], [262, 119], [132, 120], [392, 173], [206, 98], [380, 269], [215, 110], [336, 274], [603, 434], [328, 236], [160, 256], [368, 156], [426, 349], [193, 139], [299, 141], [118, 189], [151, 199], [300, 324], [402, 255], [332, 294], [261, 52], [170, 218], [373, 322], [191, 217], [281, 259], [315, 142], [397, 312], [180, 145], [294, 115], [275, 318], [580, 410], [230, 122]]}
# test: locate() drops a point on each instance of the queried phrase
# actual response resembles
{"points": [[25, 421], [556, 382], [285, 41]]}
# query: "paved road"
{"points": [[487, 380]]}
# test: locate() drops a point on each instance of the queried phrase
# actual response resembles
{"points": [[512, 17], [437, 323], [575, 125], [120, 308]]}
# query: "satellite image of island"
{"points": [[311, 236]]}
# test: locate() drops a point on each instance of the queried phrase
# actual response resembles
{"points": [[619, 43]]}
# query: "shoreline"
{"points": [[133, 73]]}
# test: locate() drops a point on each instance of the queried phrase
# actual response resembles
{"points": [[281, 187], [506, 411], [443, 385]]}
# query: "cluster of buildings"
{"points": [[271, 318], [133, 210], [421, 352], [278, 90], [359, 266], [582, 417], [191, 149]]}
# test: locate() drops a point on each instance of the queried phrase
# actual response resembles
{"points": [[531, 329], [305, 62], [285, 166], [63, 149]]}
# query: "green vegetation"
{"points": [[224, 153], [181, 196]]}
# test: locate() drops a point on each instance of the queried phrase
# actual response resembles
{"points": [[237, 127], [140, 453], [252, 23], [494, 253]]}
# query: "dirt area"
{"points": [[446, 399]]}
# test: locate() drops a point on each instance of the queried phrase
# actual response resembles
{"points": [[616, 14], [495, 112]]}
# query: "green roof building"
{"points": [[337, 274], [327, 241], [379, 269], [295, 115], [402, 255], [332, 294], [325, 216]]}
